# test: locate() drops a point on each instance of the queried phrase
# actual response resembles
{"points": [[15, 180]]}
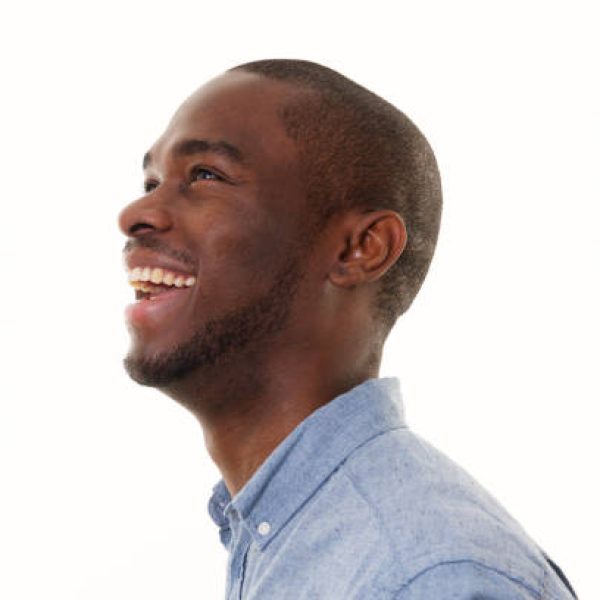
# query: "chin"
{"points": [[158, 371]]}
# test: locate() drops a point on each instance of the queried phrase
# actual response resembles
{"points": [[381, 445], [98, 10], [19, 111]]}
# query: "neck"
{"points": [[247, 411]]}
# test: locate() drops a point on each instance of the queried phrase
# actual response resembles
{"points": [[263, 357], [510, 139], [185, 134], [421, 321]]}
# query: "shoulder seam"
{"points": [[345, 469], [373, 508], [537, 594]]}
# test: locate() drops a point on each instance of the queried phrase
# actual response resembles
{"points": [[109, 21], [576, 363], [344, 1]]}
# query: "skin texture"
{"points": [[278, 323]]}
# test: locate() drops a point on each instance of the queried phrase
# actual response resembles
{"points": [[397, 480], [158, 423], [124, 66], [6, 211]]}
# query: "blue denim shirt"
{"points": [[352, 505]]}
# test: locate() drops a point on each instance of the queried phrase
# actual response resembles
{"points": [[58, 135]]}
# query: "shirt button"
{"points": [[264, 528]]}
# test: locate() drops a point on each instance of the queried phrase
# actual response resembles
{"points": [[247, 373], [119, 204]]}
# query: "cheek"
{"points": [[239, 261]]}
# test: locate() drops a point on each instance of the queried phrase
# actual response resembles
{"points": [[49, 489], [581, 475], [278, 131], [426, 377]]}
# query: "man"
{"points": [[289, 217]]}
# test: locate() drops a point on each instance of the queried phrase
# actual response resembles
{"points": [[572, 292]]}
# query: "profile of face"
{"points": [[222, 212]]}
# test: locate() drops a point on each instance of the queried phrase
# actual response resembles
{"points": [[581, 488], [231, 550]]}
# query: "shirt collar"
{"points": [[307, 457]]}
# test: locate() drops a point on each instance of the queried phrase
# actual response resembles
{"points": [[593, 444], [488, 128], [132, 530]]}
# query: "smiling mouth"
{"points": [[150, 282]]}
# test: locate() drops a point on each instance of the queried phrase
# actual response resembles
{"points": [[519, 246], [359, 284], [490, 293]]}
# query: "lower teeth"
{"points": [[151, 294]]}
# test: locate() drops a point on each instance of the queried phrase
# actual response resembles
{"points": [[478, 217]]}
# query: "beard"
{"points": [[222, 339]]}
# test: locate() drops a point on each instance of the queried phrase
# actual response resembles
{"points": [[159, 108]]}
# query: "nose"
{"points": [[145, 214]]}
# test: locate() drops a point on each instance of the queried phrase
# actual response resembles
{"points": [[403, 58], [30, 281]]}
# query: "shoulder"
{"points": [[433, 515]]}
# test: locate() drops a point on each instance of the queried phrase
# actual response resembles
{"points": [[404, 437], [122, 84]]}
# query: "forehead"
{"points": [[237, 109]]}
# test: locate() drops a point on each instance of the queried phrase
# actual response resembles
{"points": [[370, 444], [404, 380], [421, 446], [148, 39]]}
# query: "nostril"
{"points": [[135, 228]]}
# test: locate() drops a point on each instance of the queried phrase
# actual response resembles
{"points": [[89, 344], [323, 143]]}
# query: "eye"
{"points": [[149, 185], [202, 173]]}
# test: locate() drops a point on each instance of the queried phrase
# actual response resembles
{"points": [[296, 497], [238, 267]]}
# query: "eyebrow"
{"points": [[192, 146]]}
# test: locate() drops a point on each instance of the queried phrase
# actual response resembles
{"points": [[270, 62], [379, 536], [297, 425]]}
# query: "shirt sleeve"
{"points": [[465, 580]]}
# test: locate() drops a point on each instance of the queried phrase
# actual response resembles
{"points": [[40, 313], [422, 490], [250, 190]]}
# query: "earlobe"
{"points": [[375, 243]]}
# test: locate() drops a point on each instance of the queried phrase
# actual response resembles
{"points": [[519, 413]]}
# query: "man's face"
{"points": [[223, 204]]}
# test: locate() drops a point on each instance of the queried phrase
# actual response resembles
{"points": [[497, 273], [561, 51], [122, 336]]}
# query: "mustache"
{"points": [[152, 243]]}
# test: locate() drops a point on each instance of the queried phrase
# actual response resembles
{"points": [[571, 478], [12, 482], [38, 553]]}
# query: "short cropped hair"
{"points": [[359, 151]]}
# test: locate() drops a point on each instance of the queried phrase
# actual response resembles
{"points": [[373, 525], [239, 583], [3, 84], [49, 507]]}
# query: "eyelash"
{"points": [[153, 184], [196, 170]]}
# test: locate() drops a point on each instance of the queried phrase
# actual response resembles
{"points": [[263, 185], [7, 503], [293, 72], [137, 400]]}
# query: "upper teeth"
{"points": [[157, 275]]}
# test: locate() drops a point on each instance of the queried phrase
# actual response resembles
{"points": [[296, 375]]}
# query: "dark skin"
{"points": [[241, 223]]}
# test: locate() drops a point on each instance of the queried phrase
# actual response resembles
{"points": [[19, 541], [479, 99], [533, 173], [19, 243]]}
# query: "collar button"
{"points": [[264, 528]]}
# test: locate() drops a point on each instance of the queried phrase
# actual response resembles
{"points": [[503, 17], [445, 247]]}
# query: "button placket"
{"points": [[242, 574]]}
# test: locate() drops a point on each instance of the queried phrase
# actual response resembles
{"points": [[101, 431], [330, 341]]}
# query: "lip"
{"points": [[149, 314]]}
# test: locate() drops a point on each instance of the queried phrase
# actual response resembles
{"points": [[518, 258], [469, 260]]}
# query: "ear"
{"points": [[372, 243]]}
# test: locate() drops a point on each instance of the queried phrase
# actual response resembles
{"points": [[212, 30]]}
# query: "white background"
{"points": [[104, 484]]}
